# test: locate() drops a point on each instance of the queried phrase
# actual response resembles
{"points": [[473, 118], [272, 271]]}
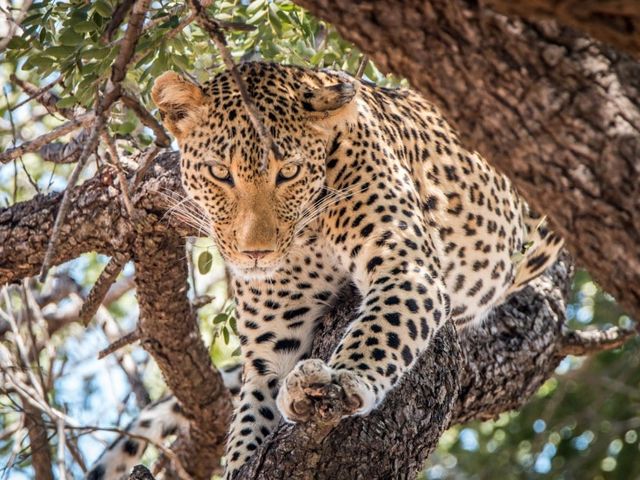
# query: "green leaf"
{"points": [[71, 37], [205, 261], [237, 352], [37, 61], [85, 27], [220, 318], [103, 8], [60, 51], [233, 325], [225, 335], [67, 102]]}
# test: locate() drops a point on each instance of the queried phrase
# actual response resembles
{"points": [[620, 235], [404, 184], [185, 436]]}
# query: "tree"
{"points": [[536, 88]]}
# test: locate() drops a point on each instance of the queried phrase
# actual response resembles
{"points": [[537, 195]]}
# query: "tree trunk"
{"points": [[555, 110]]}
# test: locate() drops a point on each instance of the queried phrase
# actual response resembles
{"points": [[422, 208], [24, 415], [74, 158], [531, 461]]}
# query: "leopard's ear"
{"points": [[332, 105], [179, 101]]}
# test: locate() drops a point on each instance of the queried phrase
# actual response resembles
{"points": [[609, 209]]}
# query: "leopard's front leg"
{"points": [[276, 321], [404, 303]]}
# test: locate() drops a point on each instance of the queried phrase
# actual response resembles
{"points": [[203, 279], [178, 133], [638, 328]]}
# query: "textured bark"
{"points": [[487, 371], [170, 333], [97, 221], [555, 110], [616, 22]]}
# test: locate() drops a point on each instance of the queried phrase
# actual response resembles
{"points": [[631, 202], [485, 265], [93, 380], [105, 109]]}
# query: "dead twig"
{"points": [[364, 61], [42, 95], [147, 159], [101, 287], [148, 120], [214, 28], [127, 339], [37, 143], [586, 342], [122, 180]]}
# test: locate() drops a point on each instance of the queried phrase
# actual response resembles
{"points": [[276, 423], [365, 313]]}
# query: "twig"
{"points": [[15, 168], [127, 48], [364, 61], [127, 339], [89, 147], [117, 17], [585, 342], [122, 180], [162, 138], [62, 472], [101, 287], [147, 159], [35, 144], [42, 95], [214, 29]]}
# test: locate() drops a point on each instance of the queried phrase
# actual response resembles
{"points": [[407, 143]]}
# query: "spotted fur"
{"points": [[373, 187], [159, 420]]}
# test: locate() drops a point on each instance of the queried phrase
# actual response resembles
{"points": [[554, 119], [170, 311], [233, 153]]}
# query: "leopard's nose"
{"points": [[256, 254]]}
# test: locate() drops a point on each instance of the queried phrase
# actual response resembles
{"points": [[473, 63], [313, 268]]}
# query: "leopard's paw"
{"points": [[315, 390]]}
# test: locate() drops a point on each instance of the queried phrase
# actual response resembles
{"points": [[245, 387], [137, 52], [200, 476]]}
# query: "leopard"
{"points": [[357, 185]]}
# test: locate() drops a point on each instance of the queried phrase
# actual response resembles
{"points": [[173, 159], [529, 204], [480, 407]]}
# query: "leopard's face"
{"points": [[254, 212], [255, 204]]}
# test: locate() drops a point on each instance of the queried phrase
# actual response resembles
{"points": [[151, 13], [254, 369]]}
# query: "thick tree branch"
{"points": [[555, 110], [169, 331], [616, 22], [97, 221]]}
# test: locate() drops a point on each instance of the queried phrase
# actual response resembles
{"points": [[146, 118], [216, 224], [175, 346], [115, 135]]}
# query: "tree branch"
{"points": [[169, 331], [588, 342]]}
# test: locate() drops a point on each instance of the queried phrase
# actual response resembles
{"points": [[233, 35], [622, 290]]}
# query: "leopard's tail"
{"points": [[155, 423], [540, 250]]}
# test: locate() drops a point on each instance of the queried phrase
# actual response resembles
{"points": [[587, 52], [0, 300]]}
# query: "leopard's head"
{"points": [[255, 202]]}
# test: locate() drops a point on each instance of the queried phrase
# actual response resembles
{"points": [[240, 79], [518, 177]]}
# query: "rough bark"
{"points": [[97, 221], [616, 22], [554, 109], [170, 333]]}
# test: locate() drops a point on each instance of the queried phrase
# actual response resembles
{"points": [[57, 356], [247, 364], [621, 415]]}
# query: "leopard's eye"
{"points": [[288, 172], [219, 172]]}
